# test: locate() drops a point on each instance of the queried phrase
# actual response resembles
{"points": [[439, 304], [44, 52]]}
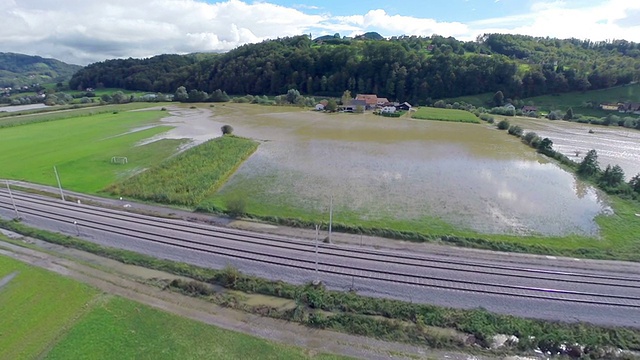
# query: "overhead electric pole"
{"points": [[59, 185], [13, 202]]}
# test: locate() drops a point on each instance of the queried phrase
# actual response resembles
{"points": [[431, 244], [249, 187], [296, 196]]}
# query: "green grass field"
{"points": [[65, 112], [81, 147], [122, 329], [576, 100], [35, 309], [429, 113], [45, 315], [187, 178]]}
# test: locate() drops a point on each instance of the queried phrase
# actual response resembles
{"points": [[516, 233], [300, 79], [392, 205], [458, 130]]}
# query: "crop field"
{"points": [[187, 178], [122, 329], [36, 306], [429, 113], [81, 146]]}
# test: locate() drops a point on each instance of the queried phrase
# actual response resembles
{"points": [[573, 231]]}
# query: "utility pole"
{"points": [[330, 217], [59, 185], [15, 208], [317, 280]]}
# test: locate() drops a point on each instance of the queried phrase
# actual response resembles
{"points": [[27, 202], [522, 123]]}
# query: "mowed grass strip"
{"points": [[429, 113], [188, 178], [81, 148], [123, 329], [35, 308]]}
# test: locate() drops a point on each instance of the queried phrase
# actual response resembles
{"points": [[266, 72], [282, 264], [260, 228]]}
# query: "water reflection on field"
{"points": [[614, 144], [471, 176]]}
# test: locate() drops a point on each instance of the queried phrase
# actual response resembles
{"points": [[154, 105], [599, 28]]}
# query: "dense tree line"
{"points": [[162, 73], [402, 68]]}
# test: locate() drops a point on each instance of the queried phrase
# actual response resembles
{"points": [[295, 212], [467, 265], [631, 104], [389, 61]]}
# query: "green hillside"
{"points": [[18, 70], [401, 68], [582, 102]]}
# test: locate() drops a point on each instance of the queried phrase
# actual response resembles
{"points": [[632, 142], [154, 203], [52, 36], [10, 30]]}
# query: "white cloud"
{"points": [[611, 19], [380, 21], [87, 31], [82, 31]]}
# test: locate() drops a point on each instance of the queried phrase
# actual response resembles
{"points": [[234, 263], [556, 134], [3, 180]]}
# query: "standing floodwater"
{"points": [[468, 175]]}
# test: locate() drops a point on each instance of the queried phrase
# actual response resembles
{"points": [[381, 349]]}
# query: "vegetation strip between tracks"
{"points": [[292, 246]]}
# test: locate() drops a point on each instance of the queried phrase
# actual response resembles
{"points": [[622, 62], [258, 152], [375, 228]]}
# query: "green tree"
{"points": [[634, 183], [516, 130], [181, 94], [346, 97], [545, 146], [119, 97], [226, 130], [106, 98], [612, 177], [332, 106], [292, 96], [569, 114], [504, 124], [589, 166], [529, 137], [219, 96], [498, 98]]}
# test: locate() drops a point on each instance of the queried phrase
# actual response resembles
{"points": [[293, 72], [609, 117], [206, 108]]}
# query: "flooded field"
{"points": [[471, 176], [615, 145], [15, 108]]}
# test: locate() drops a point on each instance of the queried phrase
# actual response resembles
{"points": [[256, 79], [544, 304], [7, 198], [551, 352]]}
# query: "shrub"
{"points": [[236, 206], [516, 130], [503, 125], [531, 137], [226, 130], [555, 115]]}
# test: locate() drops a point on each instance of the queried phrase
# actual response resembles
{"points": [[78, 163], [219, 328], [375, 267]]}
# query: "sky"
{"points": [[87, 31]]}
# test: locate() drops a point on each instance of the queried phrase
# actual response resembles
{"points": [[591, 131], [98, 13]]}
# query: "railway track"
{"points": [[378, 265]]}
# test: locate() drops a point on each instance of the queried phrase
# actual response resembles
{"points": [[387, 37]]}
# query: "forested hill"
{"points": [[19, 70], [403, 68]]}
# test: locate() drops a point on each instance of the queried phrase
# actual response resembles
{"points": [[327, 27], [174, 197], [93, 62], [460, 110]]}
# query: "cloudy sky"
{"points": [[85, 31]]}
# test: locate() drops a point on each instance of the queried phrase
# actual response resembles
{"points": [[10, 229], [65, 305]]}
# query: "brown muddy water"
{"points": [[615, 145], [471, 176]]}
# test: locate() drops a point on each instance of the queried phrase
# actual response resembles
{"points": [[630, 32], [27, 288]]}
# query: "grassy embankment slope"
{"points": [[81, 146], [45, 315], [429, 113]]}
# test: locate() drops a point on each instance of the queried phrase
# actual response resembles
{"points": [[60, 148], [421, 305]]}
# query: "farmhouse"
{"points": [[610, 107], [630, 108], [405, 106], [527, 109], [388, 109], [382, 102], [322, 105], [353, 106], [509, 107], [370, 100]]}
